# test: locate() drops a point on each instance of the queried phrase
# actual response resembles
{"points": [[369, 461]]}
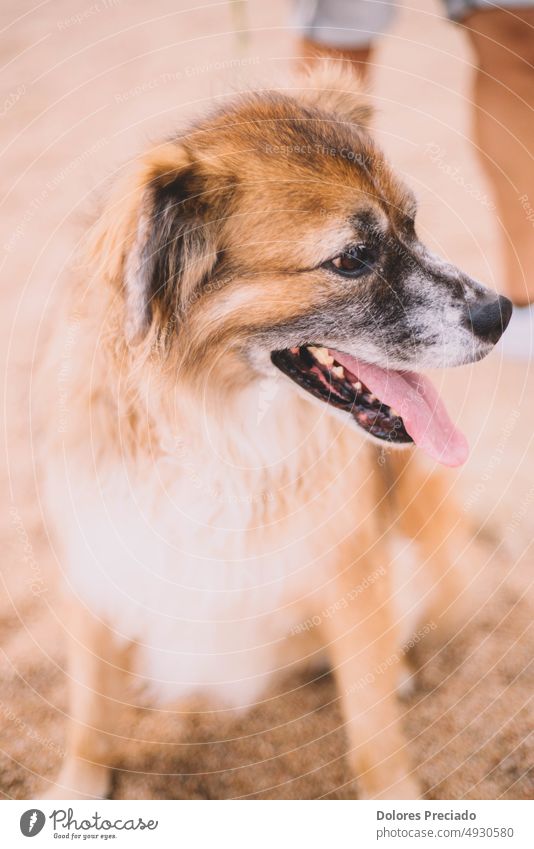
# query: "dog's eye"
{"points": [[354, 260]]}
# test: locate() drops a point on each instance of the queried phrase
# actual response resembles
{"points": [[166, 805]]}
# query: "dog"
{"points": [[250, 322]]}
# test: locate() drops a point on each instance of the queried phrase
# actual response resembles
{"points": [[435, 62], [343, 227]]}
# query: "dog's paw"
{"points": [[80, 780]]}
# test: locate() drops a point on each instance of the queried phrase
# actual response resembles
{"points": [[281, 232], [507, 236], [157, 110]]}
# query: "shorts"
{"points": [[355, 23]]}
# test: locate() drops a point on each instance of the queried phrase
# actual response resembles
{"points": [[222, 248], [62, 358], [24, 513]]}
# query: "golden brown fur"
{"points": [[155, 364]]}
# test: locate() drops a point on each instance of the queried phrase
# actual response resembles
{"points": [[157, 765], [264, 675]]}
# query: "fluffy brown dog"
{"points": [[256, 298]]}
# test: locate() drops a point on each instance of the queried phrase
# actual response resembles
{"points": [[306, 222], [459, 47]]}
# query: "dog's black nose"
{"points": [[490, 319]]}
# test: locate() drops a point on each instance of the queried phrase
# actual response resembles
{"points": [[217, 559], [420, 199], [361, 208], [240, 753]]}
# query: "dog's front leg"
{"points": [[362, 641], [97, 666]]}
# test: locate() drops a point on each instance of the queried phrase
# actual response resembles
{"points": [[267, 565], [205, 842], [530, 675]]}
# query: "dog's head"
{"points": [[274, 235]]}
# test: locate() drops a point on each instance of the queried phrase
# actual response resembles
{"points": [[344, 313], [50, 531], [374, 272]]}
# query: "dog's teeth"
{"points": [[338, 371], [395, 413], [372, 398], [321, 355], [357, 386]]}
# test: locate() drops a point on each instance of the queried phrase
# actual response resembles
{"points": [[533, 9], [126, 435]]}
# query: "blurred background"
{"points": [[85, 85]]}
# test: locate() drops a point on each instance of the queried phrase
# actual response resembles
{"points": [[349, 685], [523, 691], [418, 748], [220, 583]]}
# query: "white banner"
{"points": [[269, 825]]}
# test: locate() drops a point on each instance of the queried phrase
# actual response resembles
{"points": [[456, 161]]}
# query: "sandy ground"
{"points": [[85, 85]]}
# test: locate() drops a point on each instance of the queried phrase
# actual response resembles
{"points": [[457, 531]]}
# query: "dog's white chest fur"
{"points": [[208, 567]]}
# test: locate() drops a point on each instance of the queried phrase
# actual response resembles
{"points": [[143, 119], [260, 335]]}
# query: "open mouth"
{"points": [[317, 370], [396, 407]]}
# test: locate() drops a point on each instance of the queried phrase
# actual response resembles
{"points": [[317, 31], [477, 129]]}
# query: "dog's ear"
{"points": [[332, 87], [155, 240]]}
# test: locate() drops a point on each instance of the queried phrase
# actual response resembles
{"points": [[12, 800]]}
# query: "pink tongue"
{"points": [[417, 402]]}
